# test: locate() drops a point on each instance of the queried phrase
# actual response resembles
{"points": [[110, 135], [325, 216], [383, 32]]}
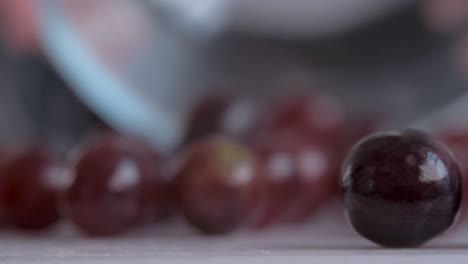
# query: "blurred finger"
{"points": [[445, 15], [21, 24]]}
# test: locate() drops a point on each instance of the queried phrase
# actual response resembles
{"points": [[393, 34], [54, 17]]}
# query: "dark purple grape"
{"points": [[31, 184], [117, 184], [217, 185], [401, 188], [356, 129]]}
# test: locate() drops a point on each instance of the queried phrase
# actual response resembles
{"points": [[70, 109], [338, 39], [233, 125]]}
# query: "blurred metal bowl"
{"points": [[141, 68]]}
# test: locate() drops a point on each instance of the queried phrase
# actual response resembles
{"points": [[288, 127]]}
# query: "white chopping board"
{"points": [[325, 239]]}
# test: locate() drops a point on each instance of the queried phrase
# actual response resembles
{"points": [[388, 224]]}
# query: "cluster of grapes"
{"points": [[110, 184], [244, 164], [290, 151]]}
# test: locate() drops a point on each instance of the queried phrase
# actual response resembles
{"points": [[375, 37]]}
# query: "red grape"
{"points": [[299, 174], [217, 185], [117, 183], [277, 160], [31, 184], [317, 172]]}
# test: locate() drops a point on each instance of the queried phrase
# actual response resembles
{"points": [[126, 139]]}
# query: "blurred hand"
{"points": [[20, 22], [445, 15], [450, 16]]}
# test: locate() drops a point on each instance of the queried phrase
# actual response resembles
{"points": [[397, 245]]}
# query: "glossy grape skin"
{"points": [[299, 173], [31, 186], [357, 128], [117, 185], [217, 185], [401, 188]]}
